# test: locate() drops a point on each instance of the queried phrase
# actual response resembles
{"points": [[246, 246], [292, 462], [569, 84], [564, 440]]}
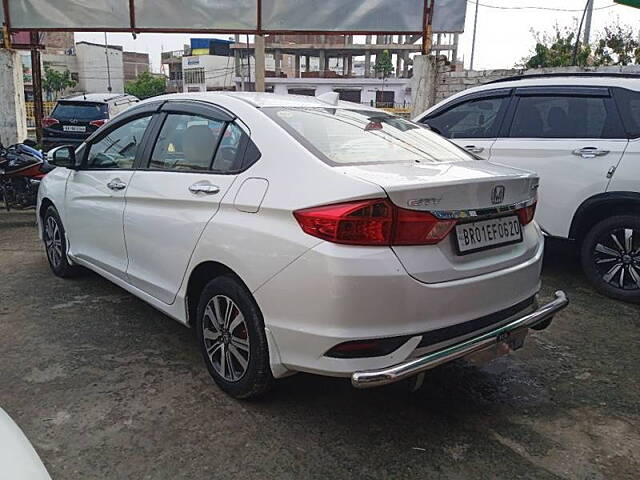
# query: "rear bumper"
{"points": [[384, 376]]}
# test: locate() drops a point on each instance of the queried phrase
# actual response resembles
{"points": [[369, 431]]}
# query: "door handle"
{"points": [[590, 152], [473, 149], [116, 184], [204, 187]]}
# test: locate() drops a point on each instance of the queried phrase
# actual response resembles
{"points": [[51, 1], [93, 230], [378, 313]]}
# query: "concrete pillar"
{"points": [[423, 83], [13, 113], [236, 56], [307, 63], [367, 59], [297, 67], [259, 56], [277, 56], [349, 65], [323, 62]]}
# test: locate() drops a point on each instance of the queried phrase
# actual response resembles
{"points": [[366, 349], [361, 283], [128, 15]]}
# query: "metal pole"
{"points": [[106, 54], [576, 46], [473, 43], [36, 75], [249, 61], [587, 23]]}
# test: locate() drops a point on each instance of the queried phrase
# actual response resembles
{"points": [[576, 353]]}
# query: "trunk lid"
{"points": [[445, 187]]}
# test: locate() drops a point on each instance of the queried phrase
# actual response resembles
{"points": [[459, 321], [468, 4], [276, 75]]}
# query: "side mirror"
{"points": [[64, 156]]}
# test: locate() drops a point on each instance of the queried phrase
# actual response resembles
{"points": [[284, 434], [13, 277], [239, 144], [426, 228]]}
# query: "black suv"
{"points": [[74, 119]]}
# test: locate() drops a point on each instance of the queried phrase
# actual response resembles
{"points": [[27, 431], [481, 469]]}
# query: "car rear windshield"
{"points": [[342, 136], [80, 110]]}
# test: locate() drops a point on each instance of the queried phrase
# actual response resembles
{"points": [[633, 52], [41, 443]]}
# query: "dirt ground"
{"points": [[106, 387]]}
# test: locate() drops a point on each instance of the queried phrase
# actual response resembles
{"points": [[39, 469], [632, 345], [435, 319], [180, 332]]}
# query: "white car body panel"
{"points": [[627, 175], [94, 211], [18, 458], [154, 195], [312, 294], [566, 180]]}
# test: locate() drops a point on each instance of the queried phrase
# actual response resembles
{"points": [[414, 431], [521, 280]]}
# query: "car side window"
{"points": [[565, 117], [186, 143], [117, 150], [231, 149], [629, 105], [478, 118]]}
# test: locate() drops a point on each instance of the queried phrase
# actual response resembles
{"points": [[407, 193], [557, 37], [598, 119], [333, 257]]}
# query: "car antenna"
{"points": [[332, 98]]}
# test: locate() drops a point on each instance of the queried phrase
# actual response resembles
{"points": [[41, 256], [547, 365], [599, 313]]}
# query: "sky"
{"points": [[504, 34]]}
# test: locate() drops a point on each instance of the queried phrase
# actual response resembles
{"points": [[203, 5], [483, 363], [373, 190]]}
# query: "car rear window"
{"points": [[344, 136], [80, 110]]}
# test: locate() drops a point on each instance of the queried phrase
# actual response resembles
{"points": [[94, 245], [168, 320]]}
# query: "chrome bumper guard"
{"points": [[384, 376]]}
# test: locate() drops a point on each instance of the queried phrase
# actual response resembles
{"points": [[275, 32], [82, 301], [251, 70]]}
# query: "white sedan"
{"points": [[301, 234]]}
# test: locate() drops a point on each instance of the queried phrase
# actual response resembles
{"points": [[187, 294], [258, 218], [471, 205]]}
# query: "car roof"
{"points": [[97, 97], [631, 82], [260, 100]]}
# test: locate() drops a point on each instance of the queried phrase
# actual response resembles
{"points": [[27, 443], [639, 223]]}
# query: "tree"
{"points": [[55, 82], [146, 85], [384, 65], [618, 46], [556, 50]]}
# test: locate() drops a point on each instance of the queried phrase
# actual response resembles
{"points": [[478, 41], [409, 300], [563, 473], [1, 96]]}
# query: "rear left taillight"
{"points": [[526, 214], [373, 222], [98, 123], [48, 121]]}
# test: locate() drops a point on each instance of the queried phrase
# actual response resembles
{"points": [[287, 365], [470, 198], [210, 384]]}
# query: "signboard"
{"points": [[69, 14], [343, 15], [239, 16], [230, 15], [629, 3]]}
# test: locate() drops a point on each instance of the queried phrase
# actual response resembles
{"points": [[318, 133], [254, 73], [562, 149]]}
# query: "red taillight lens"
{"points": [[98, 123], [365, 222], [419, 228], [526, 214], [48, 121], [373, 222]]}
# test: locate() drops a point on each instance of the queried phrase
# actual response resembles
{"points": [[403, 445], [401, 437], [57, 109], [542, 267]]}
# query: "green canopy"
{"points": [[630, 3]]}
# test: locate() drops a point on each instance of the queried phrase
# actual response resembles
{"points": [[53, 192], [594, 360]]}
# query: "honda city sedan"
{"points": [[301, 234]]}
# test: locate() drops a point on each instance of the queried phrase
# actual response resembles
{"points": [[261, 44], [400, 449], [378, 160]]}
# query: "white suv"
{"points": [[297, 234], [581, 134]]}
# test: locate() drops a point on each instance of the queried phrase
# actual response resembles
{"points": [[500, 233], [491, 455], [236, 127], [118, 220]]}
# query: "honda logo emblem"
{"points": [[497, 194]]}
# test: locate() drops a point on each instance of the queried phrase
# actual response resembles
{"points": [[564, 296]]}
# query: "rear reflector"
{"points": [[373, 222], [366, 348]]}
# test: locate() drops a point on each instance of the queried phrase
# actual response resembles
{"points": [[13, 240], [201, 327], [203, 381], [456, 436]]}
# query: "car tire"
{"points": [[232, 339], [610, 257], [55, 245]]}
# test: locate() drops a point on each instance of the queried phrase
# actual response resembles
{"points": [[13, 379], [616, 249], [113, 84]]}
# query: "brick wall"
{"points": [[450, 79]]}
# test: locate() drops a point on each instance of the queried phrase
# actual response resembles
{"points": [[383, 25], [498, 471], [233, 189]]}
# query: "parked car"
{"points": [[301, 234], [18, 458], [581, 134], [74, 119]]}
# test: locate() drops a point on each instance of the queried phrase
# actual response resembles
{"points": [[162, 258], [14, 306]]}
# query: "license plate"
{"points": [[73, 128], [496, 232]]}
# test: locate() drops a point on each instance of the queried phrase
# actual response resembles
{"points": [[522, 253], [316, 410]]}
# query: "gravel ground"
{"points": [[106, 387]]}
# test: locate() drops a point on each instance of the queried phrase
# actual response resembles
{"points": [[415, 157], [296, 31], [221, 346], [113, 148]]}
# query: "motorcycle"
{"points": [[22, 167]]}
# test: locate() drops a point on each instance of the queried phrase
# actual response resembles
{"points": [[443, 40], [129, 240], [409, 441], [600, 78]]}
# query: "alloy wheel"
{"points": [[617, 258], [226, 338], [53, 241]]}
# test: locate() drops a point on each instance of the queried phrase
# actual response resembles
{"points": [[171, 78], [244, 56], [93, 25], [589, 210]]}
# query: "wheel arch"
{"points": [[599, 207], [200, 275], [45, 203]]}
